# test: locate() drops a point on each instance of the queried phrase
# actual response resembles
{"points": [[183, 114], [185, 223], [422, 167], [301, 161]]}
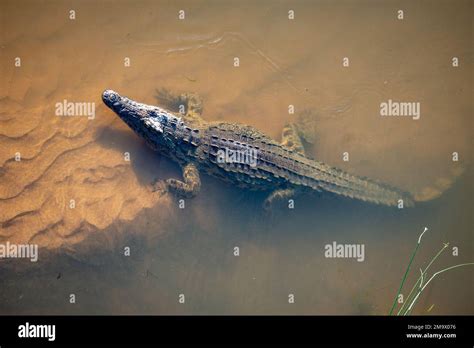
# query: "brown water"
{"points": [[190, 250]]}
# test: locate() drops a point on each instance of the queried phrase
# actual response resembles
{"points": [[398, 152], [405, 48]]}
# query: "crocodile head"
{"points": [[147, 121]]}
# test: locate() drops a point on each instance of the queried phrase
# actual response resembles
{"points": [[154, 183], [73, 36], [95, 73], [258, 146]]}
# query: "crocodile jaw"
{"points": [[138, 116], [125, 108]]}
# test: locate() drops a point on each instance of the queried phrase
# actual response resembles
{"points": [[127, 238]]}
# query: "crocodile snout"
{"points": [[110, 97]]}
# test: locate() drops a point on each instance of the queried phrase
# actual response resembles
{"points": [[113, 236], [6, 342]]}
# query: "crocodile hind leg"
{"points": [[291, 139], [187, 188], [187, 104], [307, 122], [277, 195]]}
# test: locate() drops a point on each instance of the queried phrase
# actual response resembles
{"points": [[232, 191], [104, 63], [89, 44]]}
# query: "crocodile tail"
{"points": [[345, 184]]}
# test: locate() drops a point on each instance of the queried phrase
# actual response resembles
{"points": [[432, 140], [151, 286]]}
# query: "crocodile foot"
{"points": [[159, 186], [187, 104], [291, 139], [277, 195], [307, 122], [187, 188]]}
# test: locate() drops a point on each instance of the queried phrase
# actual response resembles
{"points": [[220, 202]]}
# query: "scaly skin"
{"points": [[198, 146]]}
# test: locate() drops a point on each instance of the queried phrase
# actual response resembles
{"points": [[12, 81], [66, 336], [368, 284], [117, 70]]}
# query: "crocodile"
{"points": [[281, 168]]}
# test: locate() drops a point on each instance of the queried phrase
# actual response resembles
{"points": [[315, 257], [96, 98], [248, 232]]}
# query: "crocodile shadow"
{"points": [[146, 164]]}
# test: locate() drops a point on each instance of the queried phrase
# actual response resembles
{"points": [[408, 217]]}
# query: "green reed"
{"points": [[419, 285]]}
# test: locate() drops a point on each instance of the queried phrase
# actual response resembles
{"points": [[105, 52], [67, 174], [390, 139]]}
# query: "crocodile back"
{"points": [[276, 166]]}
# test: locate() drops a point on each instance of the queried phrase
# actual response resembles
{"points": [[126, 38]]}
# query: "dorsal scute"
{"points": [[240, 132]]}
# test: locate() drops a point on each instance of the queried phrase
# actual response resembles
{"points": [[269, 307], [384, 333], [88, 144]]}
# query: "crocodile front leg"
{"points": [[191, 184], [187, 188], [291, 139], [277, 195], [187, 104]]}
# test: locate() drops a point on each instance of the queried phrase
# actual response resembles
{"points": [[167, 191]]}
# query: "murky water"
{"points": [[48, 160]]}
